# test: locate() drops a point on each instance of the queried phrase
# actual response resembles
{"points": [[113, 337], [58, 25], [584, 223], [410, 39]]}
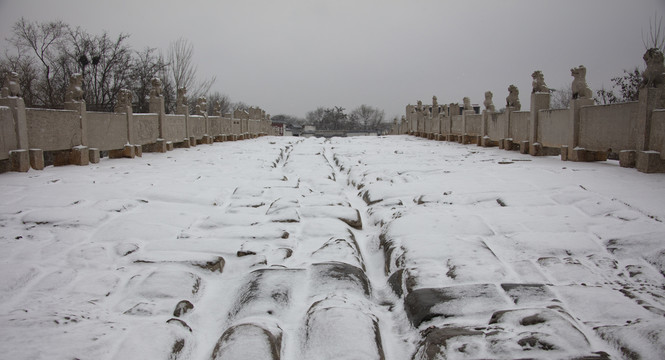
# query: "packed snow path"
{"points": [[351, 248]]}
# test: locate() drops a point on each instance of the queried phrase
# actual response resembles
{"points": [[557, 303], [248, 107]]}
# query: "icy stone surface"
{"points": [[346, 248]]}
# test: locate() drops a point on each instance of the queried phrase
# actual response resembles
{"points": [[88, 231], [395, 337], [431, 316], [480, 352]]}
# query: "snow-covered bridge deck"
{"points": [[345, 248]]}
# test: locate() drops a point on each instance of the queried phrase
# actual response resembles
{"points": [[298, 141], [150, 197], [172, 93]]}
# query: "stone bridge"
{"points": [[364, 248]]}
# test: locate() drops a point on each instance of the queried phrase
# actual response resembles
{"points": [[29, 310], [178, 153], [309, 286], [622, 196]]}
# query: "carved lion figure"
{"points": [[12, 87], [201, 106], [75, 89], [156, 90], [654, 74], [182, 97], [513, 98], [538, 82], [124, 100], [218, 108], [580, 88], [489, 104]]}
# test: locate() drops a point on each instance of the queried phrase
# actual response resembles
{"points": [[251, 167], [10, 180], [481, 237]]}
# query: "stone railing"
{"points": [[38, 137], [633, 132]]}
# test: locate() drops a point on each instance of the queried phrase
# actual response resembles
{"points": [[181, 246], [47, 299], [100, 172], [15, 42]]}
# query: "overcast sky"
{"points": [[292, 56]]}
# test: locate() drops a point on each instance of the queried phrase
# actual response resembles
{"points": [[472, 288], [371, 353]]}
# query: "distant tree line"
{"points": [[46, 54], [363, 117]]}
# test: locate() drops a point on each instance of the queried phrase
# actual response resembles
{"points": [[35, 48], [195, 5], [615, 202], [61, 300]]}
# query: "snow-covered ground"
{"points": [[350, 248]]}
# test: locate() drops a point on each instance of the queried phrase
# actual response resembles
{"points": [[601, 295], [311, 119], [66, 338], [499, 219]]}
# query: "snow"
{"points": [[345, 248]]}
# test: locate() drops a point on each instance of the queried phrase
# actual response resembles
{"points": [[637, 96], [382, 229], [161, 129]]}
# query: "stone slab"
{"points": [[19, 160], [37, 159], [80, 156]]}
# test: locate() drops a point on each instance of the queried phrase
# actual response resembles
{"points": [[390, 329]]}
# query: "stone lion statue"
{"points": [[156, 90], [538, 82], [435, 106], [580, 88], [75, 89], [182, 97], [489, 104], [513, 98], [218, 108], [201, 106], [654, 74], [467, 103], [12, 87], [124, 100]]}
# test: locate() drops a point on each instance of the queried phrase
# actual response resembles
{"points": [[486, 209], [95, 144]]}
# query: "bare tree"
{"points": [[627, 86], [169, 89], [105, 63], [183, 70], [223, 100], [367, 117], [28, 73], [239, 105], [146, 65], [315, 116], [604, 97], [288, 119], [328, 118], [43, 40], [561, 98]]}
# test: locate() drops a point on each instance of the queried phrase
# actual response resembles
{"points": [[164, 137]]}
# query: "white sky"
{"points": [[292, 56]]}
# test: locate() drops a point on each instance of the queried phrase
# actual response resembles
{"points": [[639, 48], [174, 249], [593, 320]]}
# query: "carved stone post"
{"points": [[574, 128], [453, 109], [483, 127], [19, 157], [183, 109], [420, 119], [11, 97], [648, 161], [507, 141], [156, 106], [582, 96], [489, 108], [539, 101], [466, 138], [648, 101], [124, 106], [79, 155]]}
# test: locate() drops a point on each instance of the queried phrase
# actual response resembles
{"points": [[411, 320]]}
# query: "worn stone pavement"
{"points": [[344, 249]]}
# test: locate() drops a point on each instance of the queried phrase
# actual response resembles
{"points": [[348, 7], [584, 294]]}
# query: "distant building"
{"points": [[278, 127]]}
